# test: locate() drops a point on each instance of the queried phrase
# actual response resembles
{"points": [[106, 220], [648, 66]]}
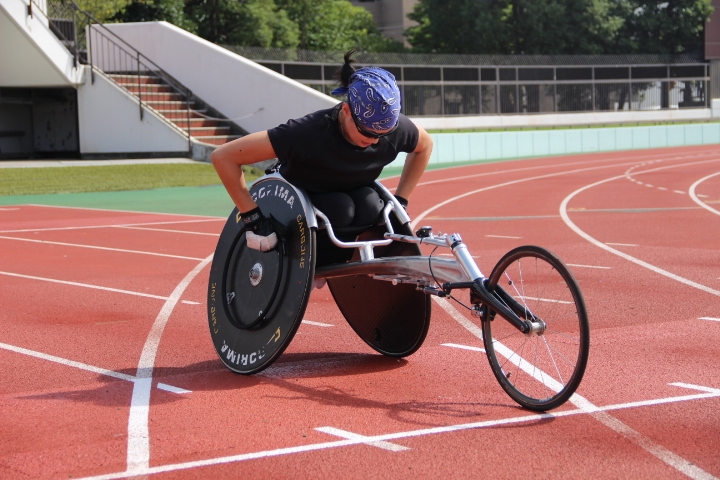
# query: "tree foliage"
{"points": [[558, 26], [335, 25]]}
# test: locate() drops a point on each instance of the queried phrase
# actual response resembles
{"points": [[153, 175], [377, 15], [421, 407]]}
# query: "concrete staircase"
{"points": [[201, 124]]}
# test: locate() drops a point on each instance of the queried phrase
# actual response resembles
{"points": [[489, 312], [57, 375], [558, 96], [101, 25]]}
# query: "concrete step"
{"points": [[216, 139]]}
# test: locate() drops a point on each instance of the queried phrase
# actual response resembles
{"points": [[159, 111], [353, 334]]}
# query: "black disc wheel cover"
{"points": [[256, 300]]}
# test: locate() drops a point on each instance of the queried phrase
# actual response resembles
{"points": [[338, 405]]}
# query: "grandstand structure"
{"points": [[71, 86]]}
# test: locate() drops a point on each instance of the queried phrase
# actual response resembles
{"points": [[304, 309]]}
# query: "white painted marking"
{"points": [[696, 387], [86, 367], [166, 230], [85, 285], [548, 300], [407, 434], [697, 200], [100, 248], [662, 188], [68, 363], [8, 209], [622, 244], [501, 236], [679, 191], [576, 229], [710, 318], [190, 302], [354, 436], [585, 405], [318, 324], [648, 185], [138, 449], [587, 266], [170, 388], [124, 225], [464, 347]]}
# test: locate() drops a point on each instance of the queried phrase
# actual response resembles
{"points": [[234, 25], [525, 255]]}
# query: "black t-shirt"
{"points": [[314, 155]]}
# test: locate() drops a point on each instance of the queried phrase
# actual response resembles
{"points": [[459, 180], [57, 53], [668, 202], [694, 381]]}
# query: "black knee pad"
{"points": [[339, 207], [368, 206]]}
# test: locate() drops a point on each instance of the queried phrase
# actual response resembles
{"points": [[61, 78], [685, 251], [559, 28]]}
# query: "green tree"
{"points": [[672, 26], [461, 26], [100, 9], [171, 11], [336, 25], [558, 26], [257, 23]]}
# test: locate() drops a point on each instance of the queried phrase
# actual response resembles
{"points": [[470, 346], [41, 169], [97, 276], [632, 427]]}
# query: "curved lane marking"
{"points": [[138, 451], [695, 197], [630, 258], [414, 223]]}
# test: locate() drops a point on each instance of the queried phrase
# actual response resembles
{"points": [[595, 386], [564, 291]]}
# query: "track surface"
{"points": [[108, 370]]}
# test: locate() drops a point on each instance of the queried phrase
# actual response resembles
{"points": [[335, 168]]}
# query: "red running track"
{"points": [[108, 370]]}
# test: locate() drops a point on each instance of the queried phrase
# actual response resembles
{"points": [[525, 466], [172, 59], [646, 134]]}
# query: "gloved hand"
{"points": [[403, 201], [260, 233]]}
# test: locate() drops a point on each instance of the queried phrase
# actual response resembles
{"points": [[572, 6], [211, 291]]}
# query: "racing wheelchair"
{"points": [[530, 309]]}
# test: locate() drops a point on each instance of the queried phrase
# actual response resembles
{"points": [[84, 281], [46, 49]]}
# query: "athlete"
{"points": [[335, 155]]}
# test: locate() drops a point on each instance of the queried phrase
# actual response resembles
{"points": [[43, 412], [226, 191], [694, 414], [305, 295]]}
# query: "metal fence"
{"points": [[507, 85]]}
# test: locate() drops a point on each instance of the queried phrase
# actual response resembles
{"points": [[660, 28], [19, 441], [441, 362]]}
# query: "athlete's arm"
{"points": [[229, 158], [415, 164]]}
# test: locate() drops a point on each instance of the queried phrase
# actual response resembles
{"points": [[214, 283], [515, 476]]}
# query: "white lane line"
{"points": [[100, 248], [170, 388], [548, 300], [587, 266], [502, 236], [622, 244], [201, 218], [679, 191], [604, 246], [424, 214], [710, 318], [406, 434], [660, 452], [138, 449], [190, 302], [121, 225], [166, 230], [68, 363], [318, 324], [354, 436], [8, 209], [464, 347], [86, 285], [86, 367], [696, 387], [695, 198]]}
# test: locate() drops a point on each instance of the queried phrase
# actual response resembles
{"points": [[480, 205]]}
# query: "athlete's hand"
{"points": [[403, 201], [260, 233]]}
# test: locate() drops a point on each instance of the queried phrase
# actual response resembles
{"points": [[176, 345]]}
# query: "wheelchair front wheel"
{"points": [[542, 370]]}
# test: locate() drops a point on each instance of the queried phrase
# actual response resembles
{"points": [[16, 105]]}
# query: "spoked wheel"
{"points": [[539, 370]]}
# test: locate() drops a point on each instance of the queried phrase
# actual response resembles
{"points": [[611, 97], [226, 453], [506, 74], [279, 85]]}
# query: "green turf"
{"points": [[108, 178], [210, 199]]}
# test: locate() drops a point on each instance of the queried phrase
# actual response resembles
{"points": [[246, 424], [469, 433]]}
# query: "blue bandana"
{"points": [[374, 98]]}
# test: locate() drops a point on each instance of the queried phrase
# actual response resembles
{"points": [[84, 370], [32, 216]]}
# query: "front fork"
{"points": [[499, 301]]}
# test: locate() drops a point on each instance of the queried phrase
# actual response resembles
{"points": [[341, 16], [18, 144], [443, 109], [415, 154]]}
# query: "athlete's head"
{"points": [[373, 96]]}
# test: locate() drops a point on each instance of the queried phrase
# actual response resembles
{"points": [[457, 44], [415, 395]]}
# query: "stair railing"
{"points": [[107, 52]]}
